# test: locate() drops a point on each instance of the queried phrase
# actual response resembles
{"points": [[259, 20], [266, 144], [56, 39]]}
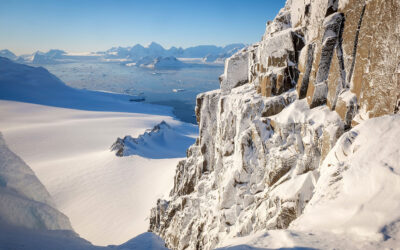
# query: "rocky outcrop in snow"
{"points": [[162, 141], [322, 67]]}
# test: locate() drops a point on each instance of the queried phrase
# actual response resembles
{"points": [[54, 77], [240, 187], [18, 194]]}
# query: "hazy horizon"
{"points": [[129, 45], [89, 26]]}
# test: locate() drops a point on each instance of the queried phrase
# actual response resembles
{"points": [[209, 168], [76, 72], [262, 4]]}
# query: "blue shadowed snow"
{"points": [[23, 83]]}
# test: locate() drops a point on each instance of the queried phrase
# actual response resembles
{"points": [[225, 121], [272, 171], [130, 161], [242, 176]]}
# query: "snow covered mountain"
{"points": [[297, 148], [135, 54], [160, 62], [155, 50], [7, 54], [49, 57]]}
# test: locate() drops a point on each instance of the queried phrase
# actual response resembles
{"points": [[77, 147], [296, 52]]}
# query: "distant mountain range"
{"points": [[154, 49], [134, 54]]}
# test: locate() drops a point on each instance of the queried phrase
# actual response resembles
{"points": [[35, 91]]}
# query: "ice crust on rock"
{"points": [[234, 179], [266, 136]]}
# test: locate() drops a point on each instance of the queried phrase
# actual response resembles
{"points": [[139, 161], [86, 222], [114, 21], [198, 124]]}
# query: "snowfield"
{"points": [[65, 135]]}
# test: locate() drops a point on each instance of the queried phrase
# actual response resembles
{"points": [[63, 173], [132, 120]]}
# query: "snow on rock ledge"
{"points": [[258, 159], [234, 179]]}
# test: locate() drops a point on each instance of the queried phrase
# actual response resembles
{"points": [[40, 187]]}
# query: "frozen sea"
{"points": [[176, 88]]}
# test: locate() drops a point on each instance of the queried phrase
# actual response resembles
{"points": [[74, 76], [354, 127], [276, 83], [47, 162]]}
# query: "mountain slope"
{"points": [[66, 140], [23, 83], [321, 68], [7, 54], [28, 219]]}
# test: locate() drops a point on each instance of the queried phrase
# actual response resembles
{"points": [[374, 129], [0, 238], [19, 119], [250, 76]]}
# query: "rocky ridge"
{"points": [[321, 68]]}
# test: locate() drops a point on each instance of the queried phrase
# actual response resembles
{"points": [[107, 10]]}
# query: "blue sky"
{"points": [[93, 25]]}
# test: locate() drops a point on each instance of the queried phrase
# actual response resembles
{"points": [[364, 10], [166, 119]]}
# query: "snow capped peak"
{"points": [[160, 126], [8, 54], [136, 46], [154, 45]]}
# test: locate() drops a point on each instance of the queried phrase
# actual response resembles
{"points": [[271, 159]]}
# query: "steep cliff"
{"points": [[322, 67]]}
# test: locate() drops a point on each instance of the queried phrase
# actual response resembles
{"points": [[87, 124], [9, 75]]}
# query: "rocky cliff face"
{"points": [[322, 67]]}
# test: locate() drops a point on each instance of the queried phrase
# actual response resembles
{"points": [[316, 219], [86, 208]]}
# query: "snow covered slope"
{"points": [[355, 204], [65, 134], [28, 219], [358, 190], [25, 202], [23, 83], [162, 141], [321, 68]]}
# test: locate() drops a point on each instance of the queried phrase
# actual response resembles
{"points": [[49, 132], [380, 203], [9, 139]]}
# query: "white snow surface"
{"points": [[67, 142], [24, 201], [359, 187], [356, 200], [28, 220]]}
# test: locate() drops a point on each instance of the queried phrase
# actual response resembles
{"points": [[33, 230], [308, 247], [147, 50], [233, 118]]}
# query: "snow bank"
{"points": [[359, 187], [24, 201], [356, 199]]}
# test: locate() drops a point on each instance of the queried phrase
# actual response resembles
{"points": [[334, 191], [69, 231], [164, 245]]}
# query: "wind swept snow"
{"points": [[358, 191], [356, 199], [24, 201], [66, 141]]}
